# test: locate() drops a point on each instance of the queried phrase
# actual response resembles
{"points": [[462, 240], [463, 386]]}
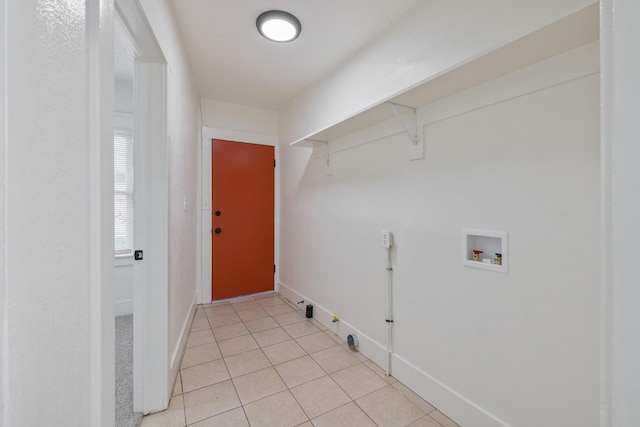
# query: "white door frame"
{"points": [[209, 133], [151, 213], [4, 371]]}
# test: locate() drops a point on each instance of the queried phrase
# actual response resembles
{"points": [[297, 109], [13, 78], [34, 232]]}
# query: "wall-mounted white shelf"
{"points": [[568, 33], [485, 249]]}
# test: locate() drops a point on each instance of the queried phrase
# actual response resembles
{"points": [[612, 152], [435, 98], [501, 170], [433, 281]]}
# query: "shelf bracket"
{"points": [[411, 133], [327, 155]]}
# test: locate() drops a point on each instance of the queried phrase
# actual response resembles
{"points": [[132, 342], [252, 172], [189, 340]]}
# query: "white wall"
{"points": [[620, 133], [183, 135], [222, 115], [434, 37], [519, 154], [3, 145], [59, 213], [123, 102], [123, 292]]}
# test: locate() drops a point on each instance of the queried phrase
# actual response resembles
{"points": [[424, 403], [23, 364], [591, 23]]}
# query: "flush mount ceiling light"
{"points": [[278, 26]]}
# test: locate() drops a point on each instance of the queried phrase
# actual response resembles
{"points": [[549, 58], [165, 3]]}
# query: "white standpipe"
{"points": [[389, 318]]}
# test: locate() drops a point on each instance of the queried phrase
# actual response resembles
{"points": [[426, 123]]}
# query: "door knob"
{"points": [[218, 213], [218, 230]]}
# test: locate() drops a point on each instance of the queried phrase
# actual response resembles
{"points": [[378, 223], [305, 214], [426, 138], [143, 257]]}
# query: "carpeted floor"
{"points": [[125, 417]]}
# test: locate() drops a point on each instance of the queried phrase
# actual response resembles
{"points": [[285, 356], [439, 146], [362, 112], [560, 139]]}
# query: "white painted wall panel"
{"points": [[487, 348], [57, 276], [123, 286], [223, 115], [621, 133]]}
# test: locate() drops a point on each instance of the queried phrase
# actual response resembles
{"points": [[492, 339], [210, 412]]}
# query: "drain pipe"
{"points": [[389, 318]]}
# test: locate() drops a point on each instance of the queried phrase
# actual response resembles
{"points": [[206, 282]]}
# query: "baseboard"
{"points": [[452, 403], [447, 400], [375, 351], [176, 358], [124, 307]]}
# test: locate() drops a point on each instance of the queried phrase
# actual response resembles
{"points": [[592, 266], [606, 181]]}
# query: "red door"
{"points": [[243, 219]]}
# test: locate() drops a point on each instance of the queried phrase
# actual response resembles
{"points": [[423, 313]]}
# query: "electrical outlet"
{"points": [[387, 238]]}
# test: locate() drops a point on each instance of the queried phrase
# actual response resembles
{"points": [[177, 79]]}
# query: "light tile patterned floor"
{"points": [[259, 362]]}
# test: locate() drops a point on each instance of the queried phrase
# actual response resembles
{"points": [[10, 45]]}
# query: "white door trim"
{"points": [[4, 368], [209, 133], [99, 33], [151, 213]]}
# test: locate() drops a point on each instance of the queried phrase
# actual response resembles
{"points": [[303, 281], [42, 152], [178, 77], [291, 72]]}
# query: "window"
{"points": [[123, 191]]}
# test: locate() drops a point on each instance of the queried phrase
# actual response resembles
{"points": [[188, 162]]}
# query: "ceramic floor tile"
{"points": [[319, 396], [380, 372], [271, 336], [172, 417], [334, 337], [237, 345], [387, 407], [258, 385], [425, 421], [263, 324], [279, 410], [315, 342], [289, 318], [269, 301], [257, 313], [233, 418], [177, 388], [349, 415], [442, 419], [301, 329], [245, 305], [354, 352], [200, 338], [210, 401], [283, 352], [203, 375], [299, 371], [319, 325], [358, 381], [200, 314], [334, 359], [200, 325], [278, 309], [201, 354], [218, 310], [244, 363], [409, 394], [224, 320], [204, 395], [230, 331]]}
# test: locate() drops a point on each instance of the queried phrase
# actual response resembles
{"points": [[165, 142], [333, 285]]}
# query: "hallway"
{"points": [[259, 362]]}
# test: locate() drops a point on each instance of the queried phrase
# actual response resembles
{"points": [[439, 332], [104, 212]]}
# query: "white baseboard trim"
{"points": [[452, 403], [176, 357], [375, 351], [124, 307], [447, 400]]}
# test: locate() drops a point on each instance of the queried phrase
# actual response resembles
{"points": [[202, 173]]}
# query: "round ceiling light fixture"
{"points": [[278, 26]]}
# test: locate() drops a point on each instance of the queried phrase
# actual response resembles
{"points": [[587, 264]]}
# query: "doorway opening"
{"points": [[124, 178], [149, 223]]}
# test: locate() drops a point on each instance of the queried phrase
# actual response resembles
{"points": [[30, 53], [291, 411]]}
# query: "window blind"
{"points": [[123, 191]]}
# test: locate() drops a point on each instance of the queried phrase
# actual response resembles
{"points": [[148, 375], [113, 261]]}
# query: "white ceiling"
{"points": [[232, 63]]}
